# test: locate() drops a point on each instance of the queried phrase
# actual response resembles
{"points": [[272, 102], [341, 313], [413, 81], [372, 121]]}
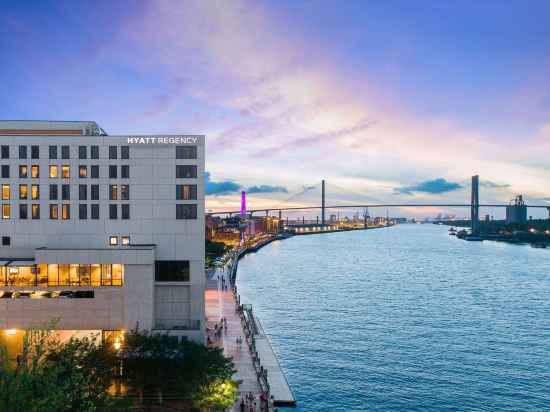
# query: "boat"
{"points": [[452, 231]]}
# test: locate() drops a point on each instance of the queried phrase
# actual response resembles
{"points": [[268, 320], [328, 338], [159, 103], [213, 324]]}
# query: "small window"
{"points": [[53, 192], [5, 211], [125, 240], [113, 192], [124, 192], [186, 211], [35, 152], [5, 152], [82, 192], [94, 152], [125, 171], [186, 192], [112, 152], [82, 171], [124, 152], [113, 240], [52, 150], [6, 241], [5, 192], [65, 192], [65, 212], [125, 211], [82, 152], [35, 171], [65, 171], [35, 210], [54, 212], [186, 171], [23, 171], [23, 211], [186, 152], [83, 211], [22, 152], [53, 172], [94, 211], [5, 171], [35, 192], [23, 192], [94, 192], [65, 152], [113, 212], [112, 172], [94, 172]]}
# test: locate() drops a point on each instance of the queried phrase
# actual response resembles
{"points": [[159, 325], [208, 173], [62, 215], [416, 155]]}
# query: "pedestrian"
{"points": [[242, 405]]}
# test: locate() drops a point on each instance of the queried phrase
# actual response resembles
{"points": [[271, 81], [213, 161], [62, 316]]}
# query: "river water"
{"points": [[406, 318]]}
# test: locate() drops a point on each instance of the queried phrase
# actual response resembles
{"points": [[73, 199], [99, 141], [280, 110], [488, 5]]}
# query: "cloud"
{"points": [[266, 189], [492, 185], [435, 186], [219, 188]]}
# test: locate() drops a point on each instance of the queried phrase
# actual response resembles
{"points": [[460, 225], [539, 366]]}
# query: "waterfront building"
{"points": [[516, 212], [306, 228], [101, 233]]}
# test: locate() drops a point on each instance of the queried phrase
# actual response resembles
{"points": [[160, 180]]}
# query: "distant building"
{"points": [[516, 212]]}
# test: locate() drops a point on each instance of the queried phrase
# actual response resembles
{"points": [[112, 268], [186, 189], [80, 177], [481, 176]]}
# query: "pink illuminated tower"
{"points": [[243, 204]]}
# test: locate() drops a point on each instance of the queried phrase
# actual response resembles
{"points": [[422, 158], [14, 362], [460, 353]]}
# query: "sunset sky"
{"points": [[389, 101]]}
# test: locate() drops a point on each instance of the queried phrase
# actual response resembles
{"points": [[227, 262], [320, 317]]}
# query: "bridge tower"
{"points": [[475, 205], [323, 202]]}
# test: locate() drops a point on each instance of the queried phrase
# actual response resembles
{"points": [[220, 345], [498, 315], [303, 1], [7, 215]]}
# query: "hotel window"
{"points": [[65, 212], [52, 150], [35, 192], [53, 192], [124, 152], [112, 152], [113, 240], [6, 241], [5, 192], [35, 152], [35, 171], [94, 172], [186, 211], [172, 271], [83, 211], [125, 172], [23, 171], [22, 152], [186, 192], [54, 214], [65, 171], [23, 211], [23, 192], [94, 152], [65, 192], [5, 171], [125, 211], [5, 152], [125, 240], [124, 192], [65, 152], [82, 152], [5, 211], [94, 211], [186, 152], [94, 192], [113, 212], [53, 172], [82, 192], [113, 192], [35, 211], [112, 172], [186, 171], [82, 171]]}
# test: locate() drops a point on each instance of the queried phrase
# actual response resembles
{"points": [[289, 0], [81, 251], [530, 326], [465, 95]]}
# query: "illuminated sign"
{"points": [[163, 140]]}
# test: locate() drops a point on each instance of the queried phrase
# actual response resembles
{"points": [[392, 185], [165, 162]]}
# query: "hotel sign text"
{"points": [[163, 140]]}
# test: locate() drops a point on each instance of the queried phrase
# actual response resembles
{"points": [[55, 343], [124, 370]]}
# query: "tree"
{"points": [[217, 395]]}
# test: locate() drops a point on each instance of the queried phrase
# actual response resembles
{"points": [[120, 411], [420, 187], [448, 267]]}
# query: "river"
{"points": [[405, 318]]}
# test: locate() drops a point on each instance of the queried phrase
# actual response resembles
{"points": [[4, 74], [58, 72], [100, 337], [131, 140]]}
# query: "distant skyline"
{"points": [[389, 101]]}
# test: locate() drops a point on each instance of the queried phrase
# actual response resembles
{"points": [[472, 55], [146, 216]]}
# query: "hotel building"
{"points": [[101, 233]]}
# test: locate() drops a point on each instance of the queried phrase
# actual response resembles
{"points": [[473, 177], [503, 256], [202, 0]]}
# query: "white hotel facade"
{"points": [[101, 233]]}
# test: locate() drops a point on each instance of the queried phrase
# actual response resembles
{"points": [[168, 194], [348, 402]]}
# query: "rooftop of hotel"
{"points": [[50, 128]]}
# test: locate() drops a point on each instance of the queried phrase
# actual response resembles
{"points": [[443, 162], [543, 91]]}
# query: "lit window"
{"points": [[113, 192], [54, 212], [35, 210], [125, 240], [113, 240], [23, 191], [35, 192], [125, 192], [65, 171], [5, 211], [82, 171], [23, 171], [35, 171], [5, 192], [66, 212], [53, 171]]}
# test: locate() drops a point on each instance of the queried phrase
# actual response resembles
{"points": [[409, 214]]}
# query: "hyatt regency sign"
{"points": [[162, 140]]}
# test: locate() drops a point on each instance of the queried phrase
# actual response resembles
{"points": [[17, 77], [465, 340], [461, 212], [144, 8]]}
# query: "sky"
{"points": [[388, 101]]}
